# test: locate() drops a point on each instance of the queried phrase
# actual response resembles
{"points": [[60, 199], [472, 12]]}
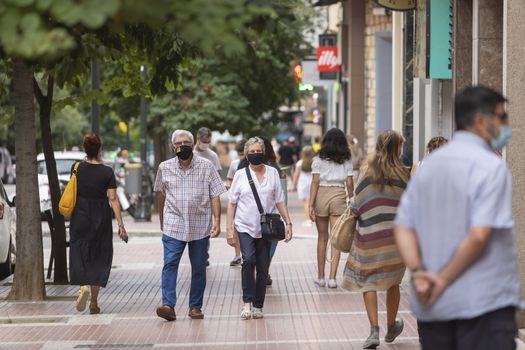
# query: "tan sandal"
{"points": [[83, 296]]}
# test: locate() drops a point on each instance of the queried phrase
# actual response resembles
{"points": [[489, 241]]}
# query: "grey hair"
{"points": [[252, 142], [204, 131], [178, 133]]}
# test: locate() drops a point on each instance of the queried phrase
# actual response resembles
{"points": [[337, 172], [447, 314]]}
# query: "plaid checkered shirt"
{"points": [[187, 210]]}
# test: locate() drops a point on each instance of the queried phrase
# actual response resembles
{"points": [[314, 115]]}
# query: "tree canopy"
{"points": [[223, 63]]}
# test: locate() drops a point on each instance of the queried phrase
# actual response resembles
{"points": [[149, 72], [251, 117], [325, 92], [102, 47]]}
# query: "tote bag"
{"points": [[342, 234]]}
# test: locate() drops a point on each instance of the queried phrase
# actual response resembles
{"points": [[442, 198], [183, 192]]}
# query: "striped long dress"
{"points": [[374, 263]]}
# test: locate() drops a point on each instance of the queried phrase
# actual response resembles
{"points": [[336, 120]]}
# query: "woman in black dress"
{"points": [[91, 230]]}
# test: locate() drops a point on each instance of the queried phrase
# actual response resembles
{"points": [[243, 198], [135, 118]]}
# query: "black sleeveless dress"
{"points": [[91, 230]]}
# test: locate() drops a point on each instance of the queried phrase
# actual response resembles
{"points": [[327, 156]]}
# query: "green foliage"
{"points": [[6, 106], [242, 93], [223, 63], [205, 99], [69, 125], [23, 32]]}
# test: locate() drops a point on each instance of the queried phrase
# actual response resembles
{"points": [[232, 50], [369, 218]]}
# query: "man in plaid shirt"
{"points": [[189, 188]]}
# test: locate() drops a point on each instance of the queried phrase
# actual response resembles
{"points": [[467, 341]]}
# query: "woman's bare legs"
{"points": [[336, 254], [322, 240], [94, 294], [306, 208], [93, 305], [392, 305], [370, 299]]}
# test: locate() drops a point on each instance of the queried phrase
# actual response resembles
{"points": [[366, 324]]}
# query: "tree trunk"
{"points": [[161, 148], [160, 141], [28, 283], [59, 234]]}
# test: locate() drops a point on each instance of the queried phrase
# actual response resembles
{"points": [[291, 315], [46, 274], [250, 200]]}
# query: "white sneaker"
{"points": [[332, 284], [257, 313], [246, 312], [320, 282]]}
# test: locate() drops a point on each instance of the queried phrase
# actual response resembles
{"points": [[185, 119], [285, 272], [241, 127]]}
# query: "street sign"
{"points": [[327, 60], [327, 41]]}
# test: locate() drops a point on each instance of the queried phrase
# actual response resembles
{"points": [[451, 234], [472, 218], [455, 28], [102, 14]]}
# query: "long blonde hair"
{"points": [[384, 166], [308, 155]]}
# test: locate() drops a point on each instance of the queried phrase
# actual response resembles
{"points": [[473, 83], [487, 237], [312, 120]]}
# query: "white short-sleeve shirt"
{"points": [[332, 174], [247, 218], [233, 168], [211, 156]]}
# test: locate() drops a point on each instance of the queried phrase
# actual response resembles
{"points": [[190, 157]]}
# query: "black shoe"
{"points": [[237, 261], [269, 280]]}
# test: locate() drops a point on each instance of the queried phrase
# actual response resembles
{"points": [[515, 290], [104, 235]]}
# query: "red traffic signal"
{"points": [[298, 73]]}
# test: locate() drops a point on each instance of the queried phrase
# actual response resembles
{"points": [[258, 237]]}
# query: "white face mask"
{"points": [[204, 146]]}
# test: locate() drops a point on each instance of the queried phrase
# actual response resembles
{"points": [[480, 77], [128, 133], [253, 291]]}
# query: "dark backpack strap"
{"points": [[254, 190]]}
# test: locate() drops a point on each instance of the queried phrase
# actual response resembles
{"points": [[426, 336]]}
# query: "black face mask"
{"points": [[255, 158], [184, 152]]}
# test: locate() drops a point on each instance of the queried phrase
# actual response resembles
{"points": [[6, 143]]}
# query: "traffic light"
{"points": [[298, 73]]}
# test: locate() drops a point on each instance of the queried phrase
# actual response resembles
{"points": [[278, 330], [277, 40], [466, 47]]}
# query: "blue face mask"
{"points": [[504, 136]]}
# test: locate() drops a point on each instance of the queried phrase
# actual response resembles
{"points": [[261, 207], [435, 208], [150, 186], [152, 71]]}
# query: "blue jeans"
{"points": [[173, 250]]}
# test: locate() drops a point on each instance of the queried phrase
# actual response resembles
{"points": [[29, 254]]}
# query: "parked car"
{"points": [[65, 161], [7, 234], [13, 162], [7, 174]]}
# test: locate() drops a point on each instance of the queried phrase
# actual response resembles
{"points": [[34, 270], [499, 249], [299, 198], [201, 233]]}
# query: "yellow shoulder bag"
{"points": [[69, 197]]}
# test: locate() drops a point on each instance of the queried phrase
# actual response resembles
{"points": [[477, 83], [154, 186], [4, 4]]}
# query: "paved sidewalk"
{"points": [[298, 315]]}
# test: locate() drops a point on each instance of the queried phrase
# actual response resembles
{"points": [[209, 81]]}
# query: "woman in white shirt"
{"points": [[331, 188], [302, 180], [241, 217]]}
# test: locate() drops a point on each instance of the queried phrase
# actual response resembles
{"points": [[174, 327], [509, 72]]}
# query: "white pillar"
{"points": [[397, 71]]}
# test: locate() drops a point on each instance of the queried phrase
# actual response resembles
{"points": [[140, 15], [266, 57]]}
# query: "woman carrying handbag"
{"points": [[374, 263], [332, 186], [91, 231], [258, 181]]}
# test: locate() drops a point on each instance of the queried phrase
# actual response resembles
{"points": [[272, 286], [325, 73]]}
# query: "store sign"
{"points": [[397, 5], [327, 60]]}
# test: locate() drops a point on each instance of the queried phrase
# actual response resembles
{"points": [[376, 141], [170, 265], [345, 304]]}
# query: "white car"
{"points": [[7, 173], [65, 161], [7, 234]]}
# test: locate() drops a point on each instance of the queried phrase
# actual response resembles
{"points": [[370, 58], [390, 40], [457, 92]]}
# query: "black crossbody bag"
{"points": [[272, 227]]}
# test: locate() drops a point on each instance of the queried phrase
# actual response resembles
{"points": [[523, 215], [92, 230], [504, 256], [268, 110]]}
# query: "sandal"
{"points": [[246, 312], [83, 296], [94, 309]]}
